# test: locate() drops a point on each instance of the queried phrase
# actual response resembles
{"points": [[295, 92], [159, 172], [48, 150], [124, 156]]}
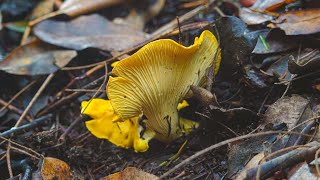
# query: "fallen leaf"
{"points": [[43, 7], [301, 171], [53, 168], [270, 4], [251, 18], [307, 62], [298, 22], [131, 173], [237, 43], [292, 111], [36, 58], [78, 7], [286, 110], [254, 162], [279, 69], [102, 34], [277, 41], [240, 153]]}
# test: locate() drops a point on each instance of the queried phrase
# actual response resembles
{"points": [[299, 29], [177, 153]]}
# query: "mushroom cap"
{"points": [[125, 134], [156, 78]]}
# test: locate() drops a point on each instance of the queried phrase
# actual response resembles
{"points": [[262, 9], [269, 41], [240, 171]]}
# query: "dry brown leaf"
{"points": [[43, 7], [298, 22], [251, 18], [301, 171], [270, 4], [53, 168], [36, 58], [286, 110], [73, 8], [131, 173], [78, 7], [254, 162], [102, 33]]}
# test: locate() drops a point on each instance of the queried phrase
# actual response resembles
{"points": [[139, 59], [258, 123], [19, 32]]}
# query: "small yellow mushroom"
{"points": [[125, 134], [156, 78]]}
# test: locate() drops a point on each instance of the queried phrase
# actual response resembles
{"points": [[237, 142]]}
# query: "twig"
{"points": [[35, 97], [265, 100], [9, 160], [69, 97], [21, 146], [17, 95], [103, 83], [291, 158], [173, 24], [305, 130], [179, 27], [210, 148], [21, 129], [24, 152], [66, 132], [14, 109], [84, 90], [219, 11]]}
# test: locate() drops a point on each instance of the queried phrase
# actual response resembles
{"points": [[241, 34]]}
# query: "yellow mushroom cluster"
{"points": [[146, 92]]}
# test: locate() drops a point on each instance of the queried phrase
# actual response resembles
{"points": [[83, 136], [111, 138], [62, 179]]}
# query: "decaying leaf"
{"points": [[237, 43], [131, 173], [302, 171], [279, 69], [254, 162], [240, 153], [277, 41], [251, 18], [281, 163], [298, 114], [306, 62], [298, 22], [43, 7], [102, 34], [286, 110], [36, 58], [78, 7], [270, 4], [53, 168]]}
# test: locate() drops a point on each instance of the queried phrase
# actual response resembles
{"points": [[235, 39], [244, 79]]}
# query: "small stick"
{"points": [[35, 97], [17, 95], [21, 129], [72, 125], [179, 27], [25, 35], [9, 160], [21, 146], [69, 97], [84, 90], [14, 109], [210, 148], [171, 25]]}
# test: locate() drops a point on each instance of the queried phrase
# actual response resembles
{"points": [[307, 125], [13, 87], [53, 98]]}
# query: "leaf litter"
{"points": [[268, 84]]}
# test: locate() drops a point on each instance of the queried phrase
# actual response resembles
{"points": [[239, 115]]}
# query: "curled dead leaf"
{"points": [[36, 58], [131, 173], [102, 34], [53, 168], [298, 22]]}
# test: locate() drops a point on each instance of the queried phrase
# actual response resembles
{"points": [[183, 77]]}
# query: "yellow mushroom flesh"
{"points": [[156, 78]]}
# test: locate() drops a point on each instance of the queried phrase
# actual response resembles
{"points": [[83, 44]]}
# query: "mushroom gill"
{"points": [[156, 78]]}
